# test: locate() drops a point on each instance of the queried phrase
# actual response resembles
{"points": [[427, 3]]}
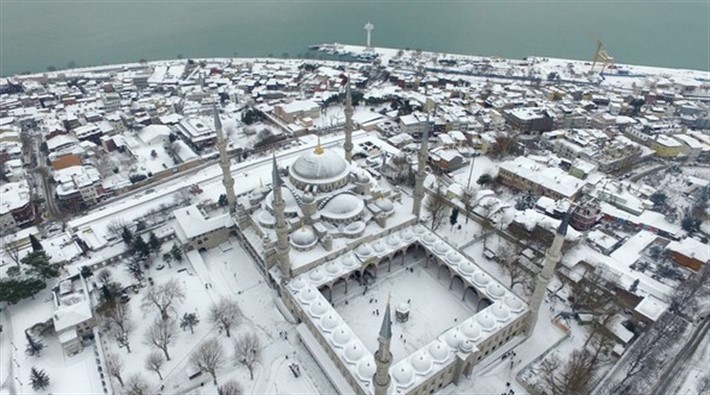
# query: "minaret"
{"points": [[369, 27], [348, 124], [421, 173], [281, 226], [552, 258], [224, 163], [383, 356]]}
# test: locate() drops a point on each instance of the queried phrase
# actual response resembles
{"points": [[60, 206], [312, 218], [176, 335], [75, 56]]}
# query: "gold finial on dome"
{"points": [[319, 148]]}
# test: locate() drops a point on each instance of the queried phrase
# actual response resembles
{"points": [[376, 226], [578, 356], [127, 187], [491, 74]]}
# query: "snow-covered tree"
{"points": [[208, 356], [189, 320], [438, 207], [163, 296], [114, 366], [154, 361], [247, 351], [230, 387], [176, 252], [161, 335], [118, 323], [34, 346], [38, 379], [136, 384], [225, 314]]}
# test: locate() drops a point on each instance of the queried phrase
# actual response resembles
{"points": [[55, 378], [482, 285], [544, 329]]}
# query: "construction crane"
{"points": [[601, 56]]}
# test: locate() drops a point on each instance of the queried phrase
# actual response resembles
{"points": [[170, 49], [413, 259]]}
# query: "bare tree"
{"points": [[116, 226], [12, 249], [247, 351], [137, 385], [114, 366], [225, 314], [438, 207], [154, 362], [703, 385], [230, 387], [104, 276], [208, 357], [118, 323], [467, 201], [508, 258], [486, 230], [163, 296], [161, 335], [573, 377]]}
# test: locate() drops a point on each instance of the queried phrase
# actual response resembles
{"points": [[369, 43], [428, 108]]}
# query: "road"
{"points": [[673, 376]]}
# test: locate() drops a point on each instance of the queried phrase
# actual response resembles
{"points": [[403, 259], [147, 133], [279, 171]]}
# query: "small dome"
{"points": [[329, 322], [454, 258], [500, 312], [379, 247], [341, 336], [420, 229], [485, 321], [467, 268], [471, 330], [438, 351], [403, 307], [319, 308], [407, 235], [364, 250], [496, 290], [513, 303], [466, 346], [403, 374], [441, 247], [384, 204], [266, 219], [316, 275], [303, 238], [429, 239], [453, 338], [366, 368], [393, 241], [353, 352], [481, 279], [308, 295], [332, 268], [307, 198], [362, 178], [349, 261], [421, 363], [298, 284], [343, 207]]}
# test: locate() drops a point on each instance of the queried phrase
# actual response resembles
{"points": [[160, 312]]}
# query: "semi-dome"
{"points": [[384, 204], [319, 167], [303, 238], [290, 203], [366, 368], [266, 219], [353, 352], [403, 374], [354, 228], [343, 207], [438, 351]]}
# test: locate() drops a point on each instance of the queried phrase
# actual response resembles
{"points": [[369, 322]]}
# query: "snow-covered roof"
{"points": [[651, 308], [190, 222], [551, 178], [691, 248]]}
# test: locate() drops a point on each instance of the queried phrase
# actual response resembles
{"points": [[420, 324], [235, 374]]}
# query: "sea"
{"points": [[39, 34]]}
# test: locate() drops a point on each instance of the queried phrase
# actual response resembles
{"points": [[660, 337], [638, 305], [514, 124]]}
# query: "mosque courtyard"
{"points": [[433, 308]]}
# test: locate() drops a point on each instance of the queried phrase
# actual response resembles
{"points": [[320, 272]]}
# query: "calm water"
{"points": [[38, 34]]}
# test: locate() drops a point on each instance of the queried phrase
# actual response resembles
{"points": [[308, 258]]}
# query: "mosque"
{"points": [[325, 223]]}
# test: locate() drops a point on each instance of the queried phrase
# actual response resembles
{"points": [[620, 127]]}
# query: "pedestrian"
{"points": [[409, 300], [507, 384]]}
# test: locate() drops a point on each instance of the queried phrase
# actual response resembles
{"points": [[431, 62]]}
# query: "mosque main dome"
{"points": [[321, 168]]}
